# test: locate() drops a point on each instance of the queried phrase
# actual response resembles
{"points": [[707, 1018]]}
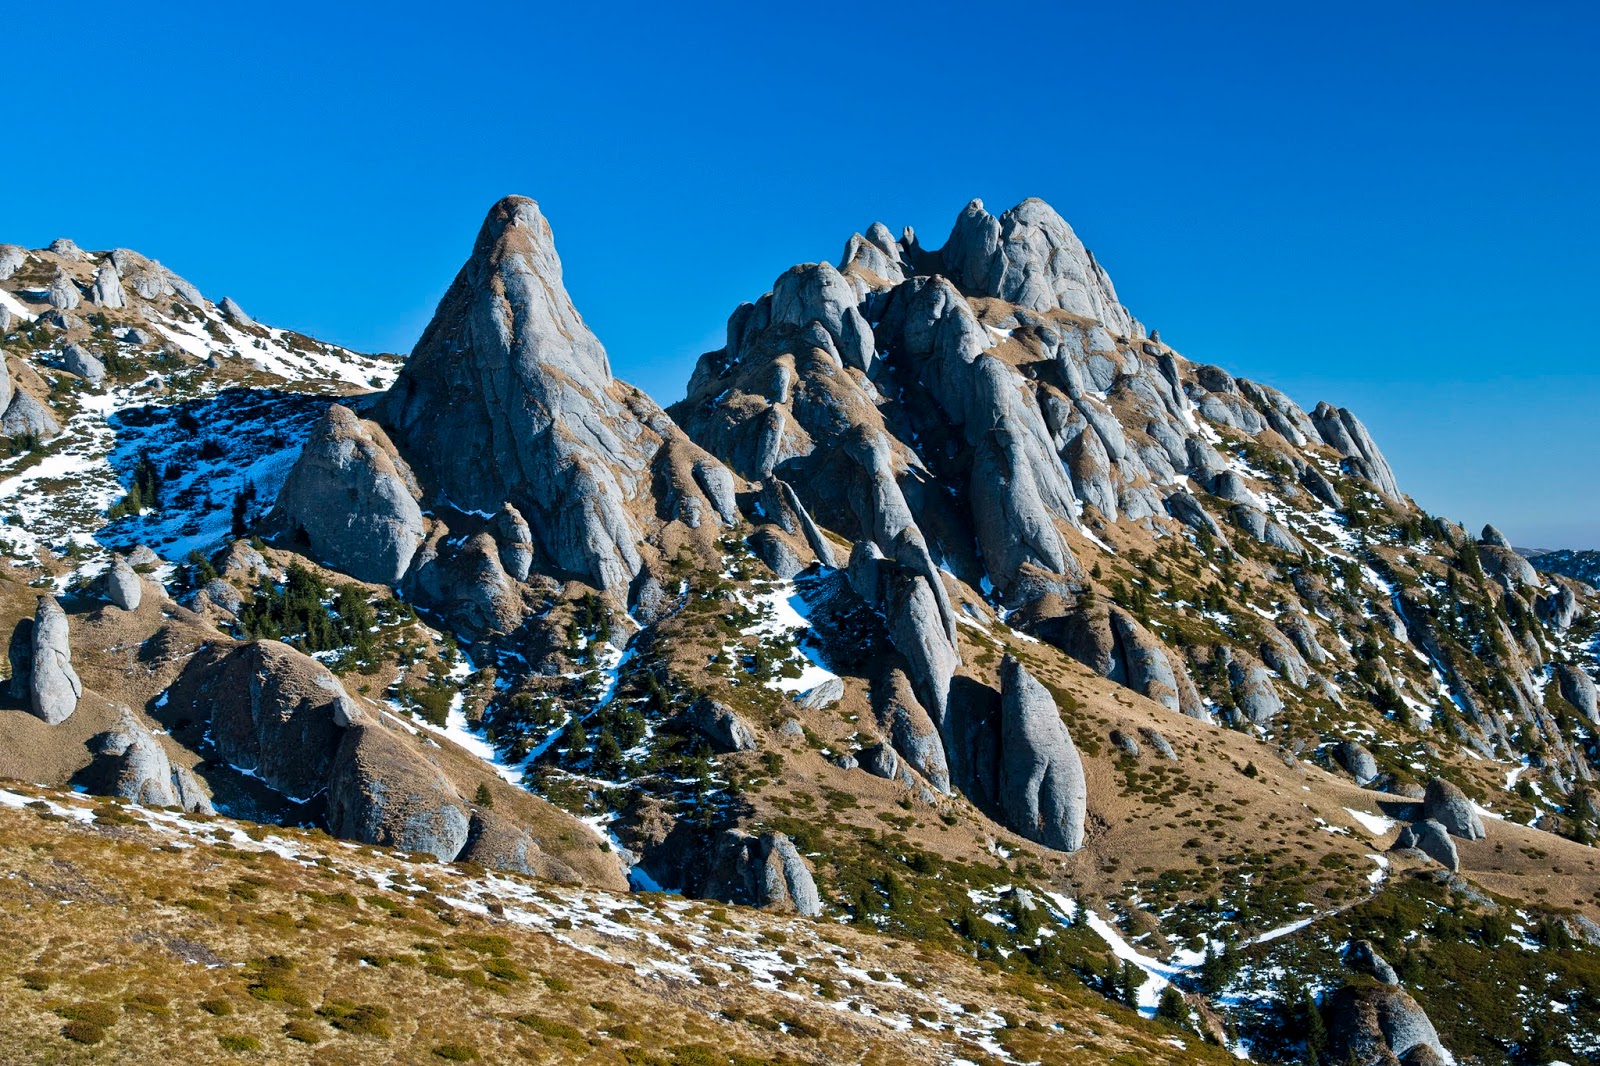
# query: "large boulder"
{"points": [[137, 768], [123, 585], [1450, 807], [902, 718], [382, 792], [1379, 1025], [1357, 760], [1432, 839], [1042, 790], [1578, 689], [107, 288], [53, 685], [720, 725], [276, 714], [764, 871], [353, 499]]}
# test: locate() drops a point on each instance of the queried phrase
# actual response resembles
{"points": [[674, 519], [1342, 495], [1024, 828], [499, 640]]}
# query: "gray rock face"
{"points": [[465, 581], [66, 249], [25, 416], [1364, 957], [1126, 744], [272, 712], [1159, 743], [235, 313], [107, 288], [1112, 643], [1031, 257], [1431, 839], [1450, 807], [1344, 433], [508, 398], [515, 540], [1559, 608], [1042, 789], [909, 728], [1578, 689], [354, 499], [880, 760], [1510, 569], [8, 388], [826, 694], [1491, 535], [382, 793], [1375, 1024], [53, 685], [140, 771], [1357, 760], [85, 365], [64, 294], [220, 594], [765, 871], [816, 292], [721, 725], [1254, 692], [11, 259], [123, 586]]}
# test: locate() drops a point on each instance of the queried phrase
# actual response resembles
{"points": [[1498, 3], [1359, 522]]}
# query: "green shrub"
{"points": [[83, 1032], [456, 1052], [238, 1042], [360, 1019], [303, 1031], [220, 1008]]}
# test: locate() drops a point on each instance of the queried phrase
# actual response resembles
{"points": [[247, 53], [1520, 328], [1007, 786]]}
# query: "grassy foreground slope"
{"points": [[129, 935]]}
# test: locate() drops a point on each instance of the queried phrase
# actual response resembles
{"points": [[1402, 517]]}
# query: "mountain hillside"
{"points": [[951, 608]]}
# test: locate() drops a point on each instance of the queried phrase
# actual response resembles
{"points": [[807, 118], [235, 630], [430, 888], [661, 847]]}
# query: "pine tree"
{"points": [[484, 798]]}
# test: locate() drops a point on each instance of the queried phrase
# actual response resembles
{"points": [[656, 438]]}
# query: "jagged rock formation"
{"points": [[53, 685], [353, 499], [1042, 788], [1432, 839], [1578, 689], [508, 399]]}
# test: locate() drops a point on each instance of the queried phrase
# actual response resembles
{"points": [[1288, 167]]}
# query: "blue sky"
{"points": [[1391, 207]]}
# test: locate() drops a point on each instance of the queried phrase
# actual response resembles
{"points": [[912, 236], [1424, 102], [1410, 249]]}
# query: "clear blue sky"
{"points": [[1389, 206]]}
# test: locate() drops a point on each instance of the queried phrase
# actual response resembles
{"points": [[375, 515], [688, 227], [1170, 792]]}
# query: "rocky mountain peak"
{"points": [[508, 399]]}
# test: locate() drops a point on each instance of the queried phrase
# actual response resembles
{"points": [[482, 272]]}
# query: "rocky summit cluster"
{"points": [[950, 603]]}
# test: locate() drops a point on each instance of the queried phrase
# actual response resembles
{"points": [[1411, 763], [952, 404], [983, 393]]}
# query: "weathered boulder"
{"points": [[880, 760], [1446, 804], [11, 259], [1378, 1025], [382, 792], [465, 581], [1357, 761], [816, 292], [27, 417], [1492, 535], [1126, 744], [273, 712], [235, 313], [1042, 790], [137, 768], [84, 364], [124, 587], [53, 685], [63, 294], [1257, 697], [721, 725], [1560, 607], [1158, 741], [1578, 689], [107, 288], [823, 695], [67, 249], [909, 728], [1364, 957], [765, 871], [353, 498], [515, 542], [1111, 642], [1431, 839]]}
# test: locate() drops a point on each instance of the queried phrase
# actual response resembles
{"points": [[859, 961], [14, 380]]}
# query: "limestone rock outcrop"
{"points": [[139, 770], [508, 398], [53, 685], [353, 499], [124, 587], [720, 725], [1380, 1025], [1042, 789], [764, 871], [1446, 804]]}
